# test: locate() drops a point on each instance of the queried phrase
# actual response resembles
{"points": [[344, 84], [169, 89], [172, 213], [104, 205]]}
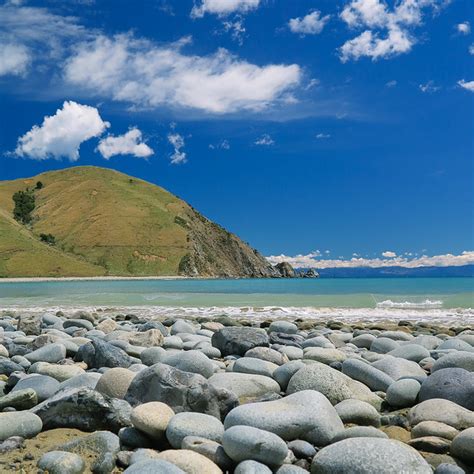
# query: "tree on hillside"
{"points": [[24, 206], [39, 185]]}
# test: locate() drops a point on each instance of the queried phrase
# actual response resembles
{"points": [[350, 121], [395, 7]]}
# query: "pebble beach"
{"points": [[83, 391]]}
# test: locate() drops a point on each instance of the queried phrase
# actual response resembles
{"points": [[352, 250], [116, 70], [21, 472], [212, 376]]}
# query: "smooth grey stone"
{"points": [[7, 367], [413, 352], [115, 382], [382, 345], [242, 443], [78, 323], [428, 342], [58, 371], [397, 335], [43, 385], [444, 411], [19, 400], [172, 342], [331, 383], [403, 393], [290, 469], [456, 385], [244, 386], [103, 446], [268, 354], [284, 373], [293, 353], [51, 353], [193, 424], [318, 341], [21, 360], [369, 456], [238, 340], [446, 468], [290, 418], [153, 466], [12, 443], [357, 412], [191, 361], [97, 354], [293, 340], [374, 378], [324, 355], [363, 340], [302, 449], [153, 355], [182, 391], [21, 423], [134, 438], [252, 467], [211, 449], [458, 359], [143, 454], [283, 326], [398, 368], [61, 462], [457, 344], [250, 365], [85, 380], [462, 446], [360, 432], [153, 325], [434, 428], [84, 409], [181, 326]]}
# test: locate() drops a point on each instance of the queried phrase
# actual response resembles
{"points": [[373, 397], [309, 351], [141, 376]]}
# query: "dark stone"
{"points": [[182, 391], [83, 409], [7, 367], [153, 325], [456, 385], [132, 438], [284, 339], [43, 385], [97, 354], [237, 341]]}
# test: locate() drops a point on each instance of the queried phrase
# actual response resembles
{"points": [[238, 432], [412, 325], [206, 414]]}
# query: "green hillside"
{"points": [[107, 223]]}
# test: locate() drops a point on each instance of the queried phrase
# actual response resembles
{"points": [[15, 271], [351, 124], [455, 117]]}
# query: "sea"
{"points": [[353, 299]]}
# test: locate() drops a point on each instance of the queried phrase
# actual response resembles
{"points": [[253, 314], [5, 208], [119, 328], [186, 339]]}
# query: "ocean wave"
{"points": [[426, 304]]}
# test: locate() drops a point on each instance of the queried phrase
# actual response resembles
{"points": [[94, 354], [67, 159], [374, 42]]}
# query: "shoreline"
{"points": [[96, 278]]}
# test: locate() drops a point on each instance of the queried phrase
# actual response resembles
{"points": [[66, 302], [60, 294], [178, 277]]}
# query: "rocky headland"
{"points": [[91, 392]]}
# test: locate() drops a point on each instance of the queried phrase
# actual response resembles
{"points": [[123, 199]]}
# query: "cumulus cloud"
{"points": [[223, 145], [429, 87], [14, 59], [464, 28], [130, 143], [389, 254], [311, 24], [61, 134], [387, 32], [151, 75], [177, 141], [321, 136], [392, 83], [223, 7], [236, 29], [265, 140], [468, 85], [308, 261]]}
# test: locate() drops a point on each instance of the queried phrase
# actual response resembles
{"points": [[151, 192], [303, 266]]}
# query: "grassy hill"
{"points": [[107, 223]]}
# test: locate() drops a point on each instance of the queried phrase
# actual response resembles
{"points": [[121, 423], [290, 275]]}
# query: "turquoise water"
{"points": [[400, 293]]}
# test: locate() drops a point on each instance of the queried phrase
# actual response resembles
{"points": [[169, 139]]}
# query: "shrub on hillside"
{"points": [[24, 206], [48, 238]]}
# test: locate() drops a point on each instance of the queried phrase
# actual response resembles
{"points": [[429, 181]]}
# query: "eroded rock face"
{"points": [[182, 391], [84, 409], [237, 341], [290, 417]]}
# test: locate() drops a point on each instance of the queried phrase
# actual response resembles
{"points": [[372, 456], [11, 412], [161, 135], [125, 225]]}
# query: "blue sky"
{"points": [[302, 126]]}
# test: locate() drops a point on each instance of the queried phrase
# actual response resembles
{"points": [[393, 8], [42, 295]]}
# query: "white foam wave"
{"points": [[426, 304]]}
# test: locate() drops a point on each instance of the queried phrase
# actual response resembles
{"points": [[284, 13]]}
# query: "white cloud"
{"points": [[223, 145], [129, 143], [429, 87], [321, 136], [468, 85], [387, 31], [236, 28], [14, 59], [223, 7], [265, 140], [464, 28], [61, 134], [308, 261], [311, 24], [151, 75], [392, 83], [471, 49], [178, 156], [389, 254]]}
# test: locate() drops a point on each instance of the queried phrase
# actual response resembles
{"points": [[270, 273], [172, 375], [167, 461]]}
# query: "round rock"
{"points": [[115, 382], [61, 462], [20, 423], [152, 418], [357, 412], [462, 446], [403, 393]]}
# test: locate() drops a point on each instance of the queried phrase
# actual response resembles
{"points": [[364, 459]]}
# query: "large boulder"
{"points": [[290, 417], [456, 385], [238, 340], [182, 391], [84, 409], [369, 456], [333, 384]]}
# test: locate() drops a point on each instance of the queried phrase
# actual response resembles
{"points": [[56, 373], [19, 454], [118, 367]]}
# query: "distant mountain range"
{"points": [[89, 221], [401, 272]]}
